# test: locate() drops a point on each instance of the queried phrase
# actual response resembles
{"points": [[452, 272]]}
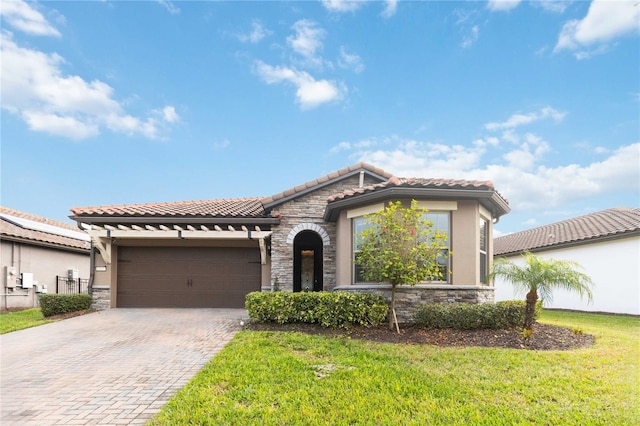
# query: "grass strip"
{"points": [[19, 320]]}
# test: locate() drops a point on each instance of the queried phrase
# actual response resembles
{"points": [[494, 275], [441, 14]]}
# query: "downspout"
{"points": [[92, 261]]}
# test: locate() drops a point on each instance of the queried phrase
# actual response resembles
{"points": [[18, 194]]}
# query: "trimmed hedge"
{"points": [[329, 309], [465, 316], [54, 304]]}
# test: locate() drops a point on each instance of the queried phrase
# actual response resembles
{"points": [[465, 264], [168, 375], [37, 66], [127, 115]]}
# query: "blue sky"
{"points": [[119, 102]]}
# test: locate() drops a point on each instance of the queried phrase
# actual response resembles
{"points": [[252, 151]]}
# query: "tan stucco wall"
{"points": [[464, 244], [344, 243], [43, 262]]}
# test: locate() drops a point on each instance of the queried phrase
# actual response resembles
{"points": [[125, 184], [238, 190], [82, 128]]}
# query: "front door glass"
{"points": [[307, 269]]}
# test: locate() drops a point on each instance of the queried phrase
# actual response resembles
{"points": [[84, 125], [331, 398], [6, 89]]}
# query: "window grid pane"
{"points": [[484, 236], [440, 222]]}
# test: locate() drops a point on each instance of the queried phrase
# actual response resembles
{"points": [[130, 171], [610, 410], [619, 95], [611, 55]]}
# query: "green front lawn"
{"points": [[13, 321], [277, 378]]}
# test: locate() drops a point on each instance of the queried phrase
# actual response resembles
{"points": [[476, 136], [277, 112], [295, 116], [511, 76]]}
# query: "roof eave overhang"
{"points": [[568, 244], [45, 244], [196, 220], [490, 199], [285, 199]]}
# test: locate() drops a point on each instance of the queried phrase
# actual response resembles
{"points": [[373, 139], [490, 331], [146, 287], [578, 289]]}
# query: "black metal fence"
{"points": [[67, 285]]}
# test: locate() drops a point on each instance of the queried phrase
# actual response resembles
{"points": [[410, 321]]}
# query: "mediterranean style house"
{"points": [[212, 253]]}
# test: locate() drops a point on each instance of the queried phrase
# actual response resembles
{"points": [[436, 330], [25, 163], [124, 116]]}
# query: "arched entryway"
{"points": [[307, 262]]}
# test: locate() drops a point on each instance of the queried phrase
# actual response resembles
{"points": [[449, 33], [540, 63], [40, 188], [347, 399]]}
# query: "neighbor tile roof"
{"points": [[416, 183], [605, 224], [12, 231], [230, 207], [322, 180]]}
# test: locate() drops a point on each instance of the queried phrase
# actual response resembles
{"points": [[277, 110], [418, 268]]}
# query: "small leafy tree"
{"points": [[538, 277], [400, 247]]}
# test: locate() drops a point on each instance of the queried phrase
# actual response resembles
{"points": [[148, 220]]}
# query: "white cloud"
{"points": [[502, 5], [223, 144], [471, 38], [412, 157], [341, 6], [34, 88], [310, 92], [170, 115], [529, 152], [66, 126], [556, 6], [586, 54], [361, 144], [258, 32], [390, 8], [517, 120], [171, 8], [342, 146], [520, 178], [350, 61], [344, 6], [21, 16], [307, 40], [605, 21]]}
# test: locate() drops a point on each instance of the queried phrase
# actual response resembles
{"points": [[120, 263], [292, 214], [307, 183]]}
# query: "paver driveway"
{"points": [[113, 367]]}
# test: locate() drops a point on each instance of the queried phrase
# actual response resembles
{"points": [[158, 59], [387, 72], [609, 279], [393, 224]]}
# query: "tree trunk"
{"points": [[393, 306], [530, 309]]}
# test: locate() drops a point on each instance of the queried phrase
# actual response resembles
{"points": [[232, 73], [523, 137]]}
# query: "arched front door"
{"points": [[307, 262]]}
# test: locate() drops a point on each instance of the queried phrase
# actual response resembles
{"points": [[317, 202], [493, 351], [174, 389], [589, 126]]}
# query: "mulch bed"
{"points": [[69, 315], [544, 337]]}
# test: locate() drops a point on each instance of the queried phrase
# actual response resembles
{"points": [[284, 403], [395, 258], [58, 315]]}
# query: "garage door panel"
{"points": [[186, 276]]}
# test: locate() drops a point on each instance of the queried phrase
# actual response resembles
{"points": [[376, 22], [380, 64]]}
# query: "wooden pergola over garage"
{"points": [[186, 261]]}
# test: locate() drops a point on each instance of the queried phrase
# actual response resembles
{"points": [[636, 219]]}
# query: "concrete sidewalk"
{"points": [[113, 367]]}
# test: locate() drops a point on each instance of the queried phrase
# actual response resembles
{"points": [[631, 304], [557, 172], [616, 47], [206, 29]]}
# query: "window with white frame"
{"points": [[359, 225], [441, 224], [484, 242]]}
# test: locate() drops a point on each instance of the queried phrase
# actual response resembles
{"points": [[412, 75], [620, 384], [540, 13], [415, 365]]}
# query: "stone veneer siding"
{"points": [[307, 209], [409, 298], [101, 297]]}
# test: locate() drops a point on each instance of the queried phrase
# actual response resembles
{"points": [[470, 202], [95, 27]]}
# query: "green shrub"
{"points": [[465, 316], [329, 309], [55, 304]]}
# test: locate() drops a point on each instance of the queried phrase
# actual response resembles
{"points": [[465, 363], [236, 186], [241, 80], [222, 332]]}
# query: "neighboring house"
{"points": [[34, 252], [212, 253], [606, 244]]}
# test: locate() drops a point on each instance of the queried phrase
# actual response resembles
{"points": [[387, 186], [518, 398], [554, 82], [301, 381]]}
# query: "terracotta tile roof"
{"points": [[57, 233], [230, 207], [605, 224], [326, 179], [416, 183]]}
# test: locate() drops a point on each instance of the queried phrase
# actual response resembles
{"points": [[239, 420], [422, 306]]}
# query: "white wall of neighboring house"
{"points": [[614, 267]]}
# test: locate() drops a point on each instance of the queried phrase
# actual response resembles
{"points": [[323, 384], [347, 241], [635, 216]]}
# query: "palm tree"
{"points": [[540, 276]]}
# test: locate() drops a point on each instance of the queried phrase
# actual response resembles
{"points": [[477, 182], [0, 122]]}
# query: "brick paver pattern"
{"points": [[113, 367]]}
